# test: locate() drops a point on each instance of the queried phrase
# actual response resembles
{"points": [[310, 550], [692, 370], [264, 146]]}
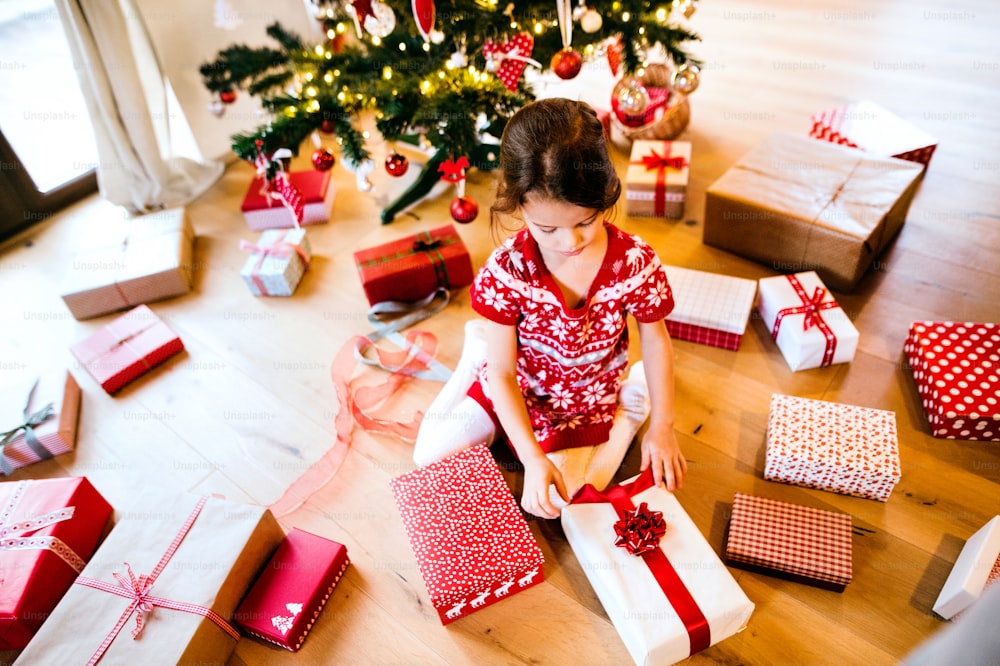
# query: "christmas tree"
{"points": [[444, 74]]}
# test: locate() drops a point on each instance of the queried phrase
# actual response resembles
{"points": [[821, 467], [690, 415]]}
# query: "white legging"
{"points": [[454, 422]]}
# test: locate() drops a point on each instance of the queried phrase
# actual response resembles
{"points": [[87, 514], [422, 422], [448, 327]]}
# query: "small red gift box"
{"points": [[412, 268], [472, 544], [955, 365], [49, 528], [975, 569], [799, 543], [873, 129], [657, 178], [38, 419], [709, 308], [290, 593], [127, 348], [262, 211], [829, 446]]}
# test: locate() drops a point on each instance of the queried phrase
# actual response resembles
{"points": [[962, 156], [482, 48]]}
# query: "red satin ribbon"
{"points": [[620, 497], [279, 249], [812, 309], [137, 589], [661, 163], [416, 357]]}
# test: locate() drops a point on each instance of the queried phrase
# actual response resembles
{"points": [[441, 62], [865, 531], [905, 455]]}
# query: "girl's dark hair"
{"points": [[555, 147]]}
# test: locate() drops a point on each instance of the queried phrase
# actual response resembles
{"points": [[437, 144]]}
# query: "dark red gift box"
{"points": [[50, 527], [290, 593], [127, 348], [411, 268]]}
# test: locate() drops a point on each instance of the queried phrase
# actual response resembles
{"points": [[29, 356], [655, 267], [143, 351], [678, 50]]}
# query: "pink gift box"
{"points": [[472, 544], [873, 129], [829, 446], [262, 212], [709, 308], [50, 406], [955, 365]]}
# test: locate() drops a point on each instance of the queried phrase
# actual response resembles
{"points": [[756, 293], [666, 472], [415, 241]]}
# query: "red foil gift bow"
{"points": [[812, 309], [12, 535], [137, 588], [281, 249], [620, 498], [661, 163], [640, 530]]}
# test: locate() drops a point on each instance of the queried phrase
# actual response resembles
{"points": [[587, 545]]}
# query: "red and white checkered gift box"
{"points": [[873, 129], [956, 367], [672, 598], [709, 308], [829, 446], [975, 569], [472, 544], [807, 324], [798, 543]]}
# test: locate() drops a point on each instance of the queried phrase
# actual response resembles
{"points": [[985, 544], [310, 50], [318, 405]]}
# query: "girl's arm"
{"points": [[501, 374], [659, 445]]}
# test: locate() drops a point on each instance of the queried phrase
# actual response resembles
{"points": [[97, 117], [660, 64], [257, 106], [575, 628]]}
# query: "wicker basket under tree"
{"points": [[664, 127]]}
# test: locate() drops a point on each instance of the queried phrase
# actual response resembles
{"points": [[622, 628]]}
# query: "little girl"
{"points": [[555, 297]]}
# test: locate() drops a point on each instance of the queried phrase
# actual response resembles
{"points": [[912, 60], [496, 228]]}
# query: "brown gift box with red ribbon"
{"points": [[127, 348], [660, 582], [163, 586], [411, 268], [657, 178], [132, 261], [38, 419], [797, 204], [50, 528]]}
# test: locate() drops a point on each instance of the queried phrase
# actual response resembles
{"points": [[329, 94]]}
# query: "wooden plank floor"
{"points": [[250, 405]]}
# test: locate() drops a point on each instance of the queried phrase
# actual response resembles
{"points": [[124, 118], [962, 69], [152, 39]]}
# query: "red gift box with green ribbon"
{"points": [[48, 529], [127, 348], [657, 178], [411, 268]]}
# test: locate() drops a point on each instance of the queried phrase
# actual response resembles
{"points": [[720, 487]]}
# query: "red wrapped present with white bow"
{"points": [[292, 590], [955, 365], [873, 129], [276, 204], [49, 528], [127, 348], [977, 567], [657, 178], [805, 321], [472, 544], [798, 543], [277, 262], [662, 585], [163, 586], [38, 419], [830, 446], [709, 308]]}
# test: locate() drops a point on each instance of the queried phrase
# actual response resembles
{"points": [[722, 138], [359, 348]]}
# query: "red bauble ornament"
{"points": [[227, 96], [326, 127], [322, 159], [567, 63], [396, 164], [464, 209]]}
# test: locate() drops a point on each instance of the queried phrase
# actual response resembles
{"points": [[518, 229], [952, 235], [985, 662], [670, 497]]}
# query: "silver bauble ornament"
{"points": [[383, 21], [591, 21], [686, 78], [633, 98]]}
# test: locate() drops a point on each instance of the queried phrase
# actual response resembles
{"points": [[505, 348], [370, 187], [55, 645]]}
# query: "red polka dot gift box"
{"points": [[956, 367], [830, 446], [472, 544], [799, 543], [661, 583]]}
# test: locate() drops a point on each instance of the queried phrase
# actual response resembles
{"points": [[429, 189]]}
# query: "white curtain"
{"points": [[126, 95]]}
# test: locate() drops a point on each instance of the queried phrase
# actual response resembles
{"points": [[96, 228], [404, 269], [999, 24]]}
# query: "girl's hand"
{"points": [[661, 451], [539, 475]]}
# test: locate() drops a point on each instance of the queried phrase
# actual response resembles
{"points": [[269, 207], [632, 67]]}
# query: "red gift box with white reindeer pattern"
{"points": [[472, 544], [830, 446]]}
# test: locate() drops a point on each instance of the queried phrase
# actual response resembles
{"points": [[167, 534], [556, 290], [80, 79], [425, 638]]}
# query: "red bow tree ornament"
{"points": [[640, 531]]}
